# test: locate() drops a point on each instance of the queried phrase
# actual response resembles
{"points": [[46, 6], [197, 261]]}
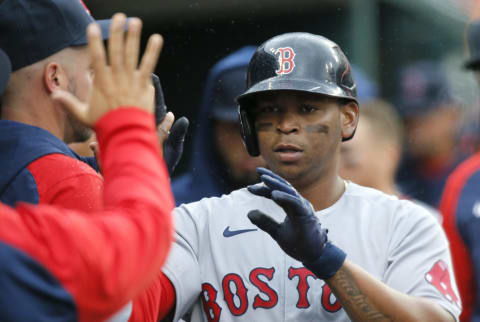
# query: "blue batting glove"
{"points": [[300, 235]]}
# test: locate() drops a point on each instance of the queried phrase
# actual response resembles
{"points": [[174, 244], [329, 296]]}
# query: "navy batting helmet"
{"points": [[298, 62]]}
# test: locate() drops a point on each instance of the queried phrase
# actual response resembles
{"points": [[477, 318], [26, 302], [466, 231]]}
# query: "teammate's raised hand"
{"points": [[300, 235], [122, 82]]}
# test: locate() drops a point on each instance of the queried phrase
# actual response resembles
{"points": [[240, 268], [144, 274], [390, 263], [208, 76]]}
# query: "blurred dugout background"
{"points": [[379, 36]]}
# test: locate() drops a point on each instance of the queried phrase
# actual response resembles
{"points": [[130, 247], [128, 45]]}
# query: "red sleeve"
{"points": [[156, 302], [74, 184], [105, 260]]}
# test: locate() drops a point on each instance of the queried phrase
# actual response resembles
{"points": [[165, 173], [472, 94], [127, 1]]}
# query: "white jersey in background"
{"points": [[229, 270]]}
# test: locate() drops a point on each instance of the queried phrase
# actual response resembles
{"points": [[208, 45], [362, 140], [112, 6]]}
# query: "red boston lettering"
{"points": [[302, 273], [263, 287], [327, 303], [240, 294], [210, 306]]}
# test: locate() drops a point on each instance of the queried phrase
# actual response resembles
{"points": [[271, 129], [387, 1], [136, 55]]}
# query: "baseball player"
{"points": [[61, 265], [460, 208], [382, 259]]}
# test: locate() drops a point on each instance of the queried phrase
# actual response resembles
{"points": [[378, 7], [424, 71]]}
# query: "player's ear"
{"points": [[54, 77], [349, 118]]}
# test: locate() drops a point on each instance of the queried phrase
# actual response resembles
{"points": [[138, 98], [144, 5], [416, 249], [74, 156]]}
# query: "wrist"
{"points": [[325, 266]]}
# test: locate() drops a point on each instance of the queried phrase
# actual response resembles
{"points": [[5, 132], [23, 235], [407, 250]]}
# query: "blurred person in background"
{"points": [[372, 156], [220, 163], [367, 89], [432, 120], [460, 208]]}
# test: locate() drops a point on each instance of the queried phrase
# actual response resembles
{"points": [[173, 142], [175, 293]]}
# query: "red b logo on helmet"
{"points": [[285, 60]]}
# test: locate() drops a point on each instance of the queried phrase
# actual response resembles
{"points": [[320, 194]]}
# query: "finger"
{"points": [[150, 57], [260, 190], [160, 107], [276, 184], [132, 45], [178, 132], [115, 42], [163, 129], [72, 104], [97, 51], [173, 147], [264, 222], [167, 122], [261, 170], [293, 206]]}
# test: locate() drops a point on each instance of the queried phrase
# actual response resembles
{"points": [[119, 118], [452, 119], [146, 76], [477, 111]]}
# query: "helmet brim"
{"points": [[298, 85]]}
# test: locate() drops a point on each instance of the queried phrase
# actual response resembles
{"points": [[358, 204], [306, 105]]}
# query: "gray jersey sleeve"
{"points": [[182, 267], [420, 263]]}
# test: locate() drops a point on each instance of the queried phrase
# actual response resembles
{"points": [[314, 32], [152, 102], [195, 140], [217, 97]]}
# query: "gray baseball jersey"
{"points": [[224, 268]]}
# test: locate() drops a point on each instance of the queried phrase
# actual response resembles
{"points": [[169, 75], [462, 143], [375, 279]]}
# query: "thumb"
{"points": [[72, 104], [163, 129], [264, 222]]}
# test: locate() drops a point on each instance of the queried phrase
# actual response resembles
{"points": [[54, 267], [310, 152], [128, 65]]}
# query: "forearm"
{"points": [[364, 298]]}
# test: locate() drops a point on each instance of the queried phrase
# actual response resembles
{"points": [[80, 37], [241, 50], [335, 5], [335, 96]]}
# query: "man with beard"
{"points": [[37, 166], [46, 43], [58, 264]]}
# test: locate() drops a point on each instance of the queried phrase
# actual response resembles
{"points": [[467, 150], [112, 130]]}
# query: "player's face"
{"points": [[299, 133]]}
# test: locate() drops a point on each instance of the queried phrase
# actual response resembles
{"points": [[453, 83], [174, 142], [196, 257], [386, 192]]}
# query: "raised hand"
{"points": [[300, 235], [123, 82], [172, 137]]}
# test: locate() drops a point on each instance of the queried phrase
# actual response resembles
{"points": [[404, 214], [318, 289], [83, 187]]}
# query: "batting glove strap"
{"points": [[328, 263]]}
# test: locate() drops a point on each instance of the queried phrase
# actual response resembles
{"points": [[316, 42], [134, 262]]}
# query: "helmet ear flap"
{"points": [[249, 136], [350, 137]]}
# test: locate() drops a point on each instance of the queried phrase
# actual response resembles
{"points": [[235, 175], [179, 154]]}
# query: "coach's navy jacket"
{"points": [[21, 144]]}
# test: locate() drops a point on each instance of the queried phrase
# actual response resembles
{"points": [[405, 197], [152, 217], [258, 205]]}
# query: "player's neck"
{"points": [[324, 192]]}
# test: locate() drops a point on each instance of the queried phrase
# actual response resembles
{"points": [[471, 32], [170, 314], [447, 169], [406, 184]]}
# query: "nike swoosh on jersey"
{"points": [[229, 233]]}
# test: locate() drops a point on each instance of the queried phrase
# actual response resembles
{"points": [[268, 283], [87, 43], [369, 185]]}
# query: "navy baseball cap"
{"points": [[423, 88], [229, 78], [228, 86], [5, 70], [473, 39], [31, 30]]}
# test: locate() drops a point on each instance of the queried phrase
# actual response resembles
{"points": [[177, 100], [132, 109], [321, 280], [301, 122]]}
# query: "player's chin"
{"points": [[287, 170]]}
